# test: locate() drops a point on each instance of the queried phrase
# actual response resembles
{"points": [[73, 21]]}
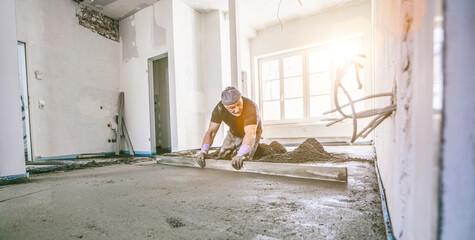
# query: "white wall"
{"points": [[458, 153], [324, 26], [144, 35], [403, 57], [172, 27], [12, 161], [80, 75], [215, 67], [190, 85], [245, 59], [350, 20]]}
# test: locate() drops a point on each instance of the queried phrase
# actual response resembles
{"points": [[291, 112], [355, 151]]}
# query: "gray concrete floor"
{"points": [[150, 201]]}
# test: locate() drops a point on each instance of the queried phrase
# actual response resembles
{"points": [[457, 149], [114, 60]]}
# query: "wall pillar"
{"points": [[12, 158], [234, 36], [458, 142]]}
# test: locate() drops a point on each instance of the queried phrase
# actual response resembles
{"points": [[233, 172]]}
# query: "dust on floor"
{"points": [[145, 200]]}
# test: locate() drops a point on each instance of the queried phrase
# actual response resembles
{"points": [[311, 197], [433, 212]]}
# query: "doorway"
{"points": [[160, 105], [25, 109]]}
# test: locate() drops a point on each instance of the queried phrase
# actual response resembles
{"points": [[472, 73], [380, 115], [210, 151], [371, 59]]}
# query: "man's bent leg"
{"points": [[228, 147]]}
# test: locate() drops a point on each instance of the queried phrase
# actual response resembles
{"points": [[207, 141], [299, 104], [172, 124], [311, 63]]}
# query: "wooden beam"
{"points": [[119, 124], [127, 139]]}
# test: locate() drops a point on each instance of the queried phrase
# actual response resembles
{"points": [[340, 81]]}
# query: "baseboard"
{"points": [[384, 205], [12, 179], [76, 156]]}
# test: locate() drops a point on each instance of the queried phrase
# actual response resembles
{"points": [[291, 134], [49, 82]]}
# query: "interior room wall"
{"points": [[172, 27], [145, 35], [190, 86], [403, 57], [330, 24], [216, 61], [215, 72], [12, 162], [79, 85], [458, 143], [245, 58]]}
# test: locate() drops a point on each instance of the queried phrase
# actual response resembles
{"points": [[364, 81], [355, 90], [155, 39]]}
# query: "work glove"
{"points": [[201, 159], [238, 161]]}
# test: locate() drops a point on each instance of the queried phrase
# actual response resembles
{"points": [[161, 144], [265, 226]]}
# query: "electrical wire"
{"points": [[380, 113], [278, 17], [280, 21]]}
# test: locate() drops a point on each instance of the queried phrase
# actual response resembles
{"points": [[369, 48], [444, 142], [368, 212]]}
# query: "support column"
{"points": [[234, 36], [458, 143], [12, 160]]}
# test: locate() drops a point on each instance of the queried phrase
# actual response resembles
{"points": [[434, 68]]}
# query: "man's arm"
{"points": [[211, 133], [247, 142], [249, 136], [207, 142]]}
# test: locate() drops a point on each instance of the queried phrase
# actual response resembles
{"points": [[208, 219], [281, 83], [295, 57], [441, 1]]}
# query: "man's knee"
{"points": [[227, 147]]}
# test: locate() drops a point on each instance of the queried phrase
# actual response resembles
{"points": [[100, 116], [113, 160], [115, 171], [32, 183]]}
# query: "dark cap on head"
{"points": [[230, 95]]}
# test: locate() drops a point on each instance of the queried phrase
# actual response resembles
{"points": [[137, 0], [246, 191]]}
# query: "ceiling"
{"points": [[254, 14], [118, 9]]}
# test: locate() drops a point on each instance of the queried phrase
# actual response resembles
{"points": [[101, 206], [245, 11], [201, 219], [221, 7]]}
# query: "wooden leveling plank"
{"points": [[119, 123], [334, 174], [122, 129]]}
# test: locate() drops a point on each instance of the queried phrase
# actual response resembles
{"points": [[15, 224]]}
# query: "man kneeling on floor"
{"points": [[242, 116]]}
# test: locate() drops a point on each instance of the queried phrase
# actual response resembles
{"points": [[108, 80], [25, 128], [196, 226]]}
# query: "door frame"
{"points": [[23, 67], [153, 144]]}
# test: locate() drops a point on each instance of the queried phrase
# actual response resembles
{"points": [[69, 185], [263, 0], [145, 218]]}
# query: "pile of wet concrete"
{"points": [[309, 151]]}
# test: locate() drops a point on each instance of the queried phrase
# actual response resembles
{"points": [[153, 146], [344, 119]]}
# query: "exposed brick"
{"points": [[99, 23]]}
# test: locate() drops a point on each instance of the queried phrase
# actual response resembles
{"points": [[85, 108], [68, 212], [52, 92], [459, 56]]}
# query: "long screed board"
{"points": [[334, 174]]}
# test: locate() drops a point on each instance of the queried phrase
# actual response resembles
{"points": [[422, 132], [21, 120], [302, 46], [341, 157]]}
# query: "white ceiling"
{"points": [[118, 9], [254, 14], [259, 14]]}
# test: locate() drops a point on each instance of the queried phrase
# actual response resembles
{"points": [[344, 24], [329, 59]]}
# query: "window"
{"points": [[299, 85]]}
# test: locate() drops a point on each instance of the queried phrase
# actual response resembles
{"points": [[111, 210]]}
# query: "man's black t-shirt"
{"points": [[249, 116]]}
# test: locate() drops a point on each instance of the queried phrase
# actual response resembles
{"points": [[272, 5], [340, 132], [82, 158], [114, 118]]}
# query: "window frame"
{"points": [[304, 52]]}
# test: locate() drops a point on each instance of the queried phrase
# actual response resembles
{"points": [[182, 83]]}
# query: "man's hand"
{"points": [[237, 162], [201, 159]]}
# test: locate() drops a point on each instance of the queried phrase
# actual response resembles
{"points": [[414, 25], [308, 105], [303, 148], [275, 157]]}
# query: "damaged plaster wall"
{"points": [[403, 57], [331, 24], [79, 84], [198, 56], [145, 35], [12, 161]]}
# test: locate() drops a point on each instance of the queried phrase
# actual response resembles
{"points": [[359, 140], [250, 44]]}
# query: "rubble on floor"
{"points": [[68, 165]]}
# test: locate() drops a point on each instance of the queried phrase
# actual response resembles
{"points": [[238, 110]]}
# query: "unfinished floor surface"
{"points": [[150, 201]]}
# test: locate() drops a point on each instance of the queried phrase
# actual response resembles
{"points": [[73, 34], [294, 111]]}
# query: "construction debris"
{"points": [[309, 151]]}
